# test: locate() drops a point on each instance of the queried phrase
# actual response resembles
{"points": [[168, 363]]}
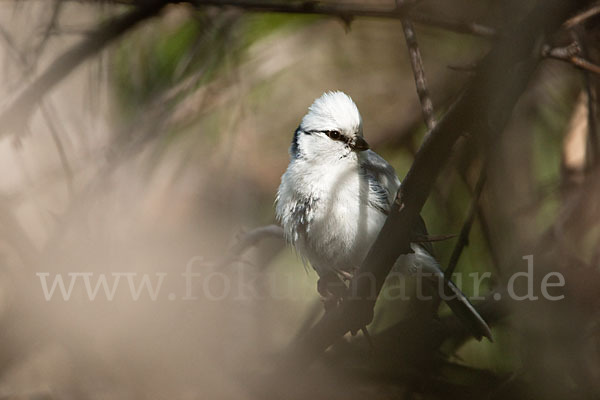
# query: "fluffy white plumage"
{"points": [[333, 199], [335, 195]]}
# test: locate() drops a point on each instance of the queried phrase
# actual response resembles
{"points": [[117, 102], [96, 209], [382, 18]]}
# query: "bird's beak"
{"points": [[359, 144]]}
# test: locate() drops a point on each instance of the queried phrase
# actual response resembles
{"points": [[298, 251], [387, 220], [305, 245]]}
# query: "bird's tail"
{"points": [[457, 301], [464, 310]]}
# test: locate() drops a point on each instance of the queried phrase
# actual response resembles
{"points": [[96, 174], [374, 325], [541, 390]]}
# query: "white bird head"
{"points": [[331, 130]]}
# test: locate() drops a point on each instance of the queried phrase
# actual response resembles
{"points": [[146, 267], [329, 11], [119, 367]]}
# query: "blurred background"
{"points": [[162, 138]]}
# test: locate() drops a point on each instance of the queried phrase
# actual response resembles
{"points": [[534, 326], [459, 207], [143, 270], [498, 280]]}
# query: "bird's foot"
{"points": [[345, 275], [332, 290]]}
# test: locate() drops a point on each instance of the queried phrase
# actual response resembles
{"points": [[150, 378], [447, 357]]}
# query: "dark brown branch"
{"points": [[463, 237], [17, 114], [483, 108], [347, 11]]}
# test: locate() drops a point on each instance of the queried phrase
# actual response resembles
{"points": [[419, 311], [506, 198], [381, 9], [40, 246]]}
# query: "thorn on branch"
{"points": [[347, 20], [470, 67]]}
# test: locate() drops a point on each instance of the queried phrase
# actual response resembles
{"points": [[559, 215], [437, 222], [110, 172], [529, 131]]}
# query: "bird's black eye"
{"points": [[335, 135]]}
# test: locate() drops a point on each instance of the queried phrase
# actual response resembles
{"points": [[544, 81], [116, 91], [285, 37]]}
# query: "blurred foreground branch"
{"points": [[17, 114]]}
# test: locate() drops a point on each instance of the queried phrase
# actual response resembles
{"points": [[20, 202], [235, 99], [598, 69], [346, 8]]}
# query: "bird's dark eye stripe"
{"points": [[332, 134]]}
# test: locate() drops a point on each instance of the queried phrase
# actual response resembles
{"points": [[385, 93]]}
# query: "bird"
{"points": [[334, 198]]}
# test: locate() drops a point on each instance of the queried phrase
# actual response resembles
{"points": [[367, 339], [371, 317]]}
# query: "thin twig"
{"points": [[584, 16], [416, 63], [251, 238], [465, 27], [245, 240], [46, 114], [431, 238], [57, 8], [428, 116], [463, 237], [570, 54], [62, 155]]}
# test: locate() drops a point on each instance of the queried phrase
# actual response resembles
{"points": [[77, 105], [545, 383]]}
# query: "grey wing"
{"points": [[383, 182], [383, 186]]}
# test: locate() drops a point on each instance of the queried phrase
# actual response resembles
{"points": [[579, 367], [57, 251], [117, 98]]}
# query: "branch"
{"points": [[248, 239], [62, 155], [570, 54], [17, 114], [465, 27], [504, 73], [245, 240], [584, 16], [418, 71], [347, 12], [430, 238], [589, 38], [57, 8], [463, 238]]}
